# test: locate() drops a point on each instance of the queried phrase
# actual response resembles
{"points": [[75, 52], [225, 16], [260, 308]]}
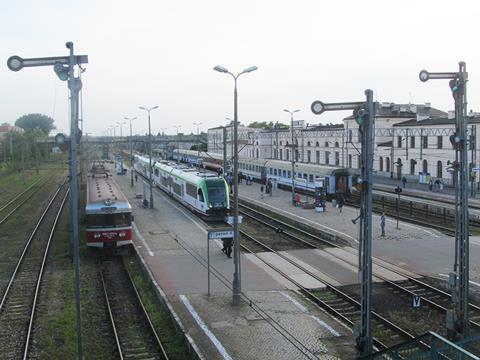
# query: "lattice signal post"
{"points": [[457, 317], [364, 113]]}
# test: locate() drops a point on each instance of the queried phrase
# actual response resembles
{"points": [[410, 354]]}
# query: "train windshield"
{"points": [[216, 191], [108, 220]]}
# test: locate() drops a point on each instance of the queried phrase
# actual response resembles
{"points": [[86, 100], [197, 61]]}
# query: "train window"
{"points": [[109, 220], [156, 172], [289, 174], [275, 172], [177, 188], [270, 171], [284, 173], [305, 176], [257, 168], [310, 178], [94, 221], [122, 219], [216, 191], [191, 190], [200, 195]]}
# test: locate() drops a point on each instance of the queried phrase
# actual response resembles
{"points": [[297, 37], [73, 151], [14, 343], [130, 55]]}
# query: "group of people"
{"points": [[267, 186]]}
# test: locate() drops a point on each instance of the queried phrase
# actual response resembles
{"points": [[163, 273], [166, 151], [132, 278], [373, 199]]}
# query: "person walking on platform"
{"points": [[261, 191], [227, 246], [136, 177], [404, 181], [430, 185], [382, 224], [340, 203]]}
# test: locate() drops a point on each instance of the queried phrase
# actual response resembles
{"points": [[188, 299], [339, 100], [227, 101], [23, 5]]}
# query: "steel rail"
{"points": [[391, 283], [20, 204], [112, 321], [145, 313], [20, 194], [27, 245], [40, 276]]}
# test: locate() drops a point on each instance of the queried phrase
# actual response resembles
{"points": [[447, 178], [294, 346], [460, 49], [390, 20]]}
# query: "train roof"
{"points": [[105, 196]]}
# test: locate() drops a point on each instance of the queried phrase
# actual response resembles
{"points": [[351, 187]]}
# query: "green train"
{"points": [[205, 194]]}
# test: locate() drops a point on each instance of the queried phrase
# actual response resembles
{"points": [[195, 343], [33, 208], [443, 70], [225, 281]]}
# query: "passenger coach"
{"points": [[204, 193], [108, 212]]}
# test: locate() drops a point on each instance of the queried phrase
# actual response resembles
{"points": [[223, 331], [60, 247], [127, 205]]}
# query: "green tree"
{"points": [[266, 126], [36, 121]]}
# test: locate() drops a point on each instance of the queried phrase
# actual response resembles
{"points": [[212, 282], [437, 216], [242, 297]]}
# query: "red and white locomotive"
{"points": [[108, 212]]}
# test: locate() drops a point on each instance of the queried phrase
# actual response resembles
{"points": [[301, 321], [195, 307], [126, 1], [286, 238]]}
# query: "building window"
{"points": [[412, 166], [425, 142], [387, 164], [281, 154], [280, 142], [337, 158], [336, 144], [380, 163], [257, 153], [274, 153], [425, 166], [399, 141], [287, 154], [317, 157], [308, 143], [327, 157], [317, 144], [439, 142], [350, 136], [439, 169], [309, 153], [412, 142], [326, 143], [297, 155]]}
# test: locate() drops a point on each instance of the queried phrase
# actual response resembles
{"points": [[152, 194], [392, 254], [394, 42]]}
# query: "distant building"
{"points": [[411, 140]]}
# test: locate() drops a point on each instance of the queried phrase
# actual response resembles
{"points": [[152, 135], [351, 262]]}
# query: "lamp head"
{"points": [[220, 69], [250, 69]]}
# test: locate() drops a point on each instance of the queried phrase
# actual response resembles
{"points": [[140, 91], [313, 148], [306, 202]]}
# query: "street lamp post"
{"points": [[198, 143], [177, 127], [131, 150], [237, 286], [120, 126], [292, 153], [150, 152], [231, 148]]}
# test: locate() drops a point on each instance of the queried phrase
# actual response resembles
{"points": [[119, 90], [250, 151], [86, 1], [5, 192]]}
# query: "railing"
{"points": [[439, 348]]}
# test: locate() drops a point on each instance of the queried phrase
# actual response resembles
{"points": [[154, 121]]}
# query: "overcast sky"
{"points": [[146, 53]]}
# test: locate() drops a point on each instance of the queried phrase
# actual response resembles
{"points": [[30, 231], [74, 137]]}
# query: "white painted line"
{"points": [[303, 219], [205, 328], [295, 302], [326, 326], [470, 281], [137, 232], [304, 310]]}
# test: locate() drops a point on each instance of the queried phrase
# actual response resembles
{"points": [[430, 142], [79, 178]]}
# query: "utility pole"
{"points": [[131, 150], [364, 113], [293, 154], [224, 130], [150, 152], [198, 144], [473, 145], [458, 323]]}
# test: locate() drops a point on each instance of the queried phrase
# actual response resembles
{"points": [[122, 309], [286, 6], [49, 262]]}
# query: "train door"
{"points": [[263, 174], [341, 184]]}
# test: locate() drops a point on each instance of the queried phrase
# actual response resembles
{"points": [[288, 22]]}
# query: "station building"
{"points": [[411, 141]]}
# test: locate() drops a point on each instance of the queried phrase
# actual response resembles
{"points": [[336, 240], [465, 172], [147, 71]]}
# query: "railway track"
{"points": [[20, 296], [11, 206], [134, 333], [431, 296]]}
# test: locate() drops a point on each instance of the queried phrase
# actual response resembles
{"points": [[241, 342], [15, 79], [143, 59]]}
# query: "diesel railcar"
{"points": [[108, 212], [204, 193]]}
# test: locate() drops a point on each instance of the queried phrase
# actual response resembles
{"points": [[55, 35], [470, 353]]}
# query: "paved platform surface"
{"points": [[273, 323], [416, 248]]}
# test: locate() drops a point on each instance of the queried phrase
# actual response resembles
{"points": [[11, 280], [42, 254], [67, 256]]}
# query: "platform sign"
{"points": [[220, 233], [416, 301]]}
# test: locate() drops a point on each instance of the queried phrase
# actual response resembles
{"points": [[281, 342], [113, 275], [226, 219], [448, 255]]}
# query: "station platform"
{"points": [[412, 247], [272, 322]]}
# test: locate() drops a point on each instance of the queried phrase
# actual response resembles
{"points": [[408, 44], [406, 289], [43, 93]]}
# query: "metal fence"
{"points": [[429, 346]]}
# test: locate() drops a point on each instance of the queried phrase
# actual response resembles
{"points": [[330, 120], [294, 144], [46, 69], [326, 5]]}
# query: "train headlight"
{"points": [[97, 236], [210, 206], [122, 234]]}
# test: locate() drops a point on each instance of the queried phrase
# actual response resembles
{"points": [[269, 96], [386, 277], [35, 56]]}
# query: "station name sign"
{"points": [[220, 233]]}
